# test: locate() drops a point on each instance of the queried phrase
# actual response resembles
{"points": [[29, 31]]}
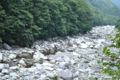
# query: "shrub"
{"points": [[118, 25], [113, 66]]}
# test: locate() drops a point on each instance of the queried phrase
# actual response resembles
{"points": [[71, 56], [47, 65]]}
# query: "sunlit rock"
{"points": [[38, 55], [66, 74]]}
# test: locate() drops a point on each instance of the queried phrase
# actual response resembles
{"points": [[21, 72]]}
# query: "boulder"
{"points": [[25, 55], [22, 63], [38, 56], [29, 62], [66, 74], [14, 75], [12, 56], [2, 66], [6, 46], [1, 57], [5, 71]]}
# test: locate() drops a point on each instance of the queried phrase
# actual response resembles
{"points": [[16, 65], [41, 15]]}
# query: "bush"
{"points": [[0, 40], [118, 25], [113, 66]]}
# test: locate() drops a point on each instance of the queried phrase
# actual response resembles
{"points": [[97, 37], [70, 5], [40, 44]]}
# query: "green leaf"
{"points": [[104, 49]]}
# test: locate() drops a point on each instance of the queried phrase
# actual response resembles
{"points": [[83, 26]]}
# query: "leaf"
{"points": [[104, 49]]}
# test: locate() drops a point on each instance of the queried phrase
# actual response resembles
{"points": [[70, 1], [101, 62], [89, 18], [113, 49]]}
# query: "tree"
{"points": [[28, 20]]}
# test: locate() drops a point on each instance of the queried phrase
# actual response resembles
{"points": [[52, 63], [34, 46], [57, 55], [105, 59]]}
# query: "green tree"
{"points": [[25, 21]]}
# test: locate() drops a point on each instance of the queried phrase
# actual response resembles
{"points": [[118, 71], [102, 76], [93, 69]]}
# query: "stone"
{"points": [[114, 68], [14, 75], [25, 55], [5, 71], [62, 65], [22, 63], [38, 55], [84, 45], [6, 46], [1, 57], [14, 68], [66, 74], [12, 56], [2, 66], [37, 47], [29, 62]]}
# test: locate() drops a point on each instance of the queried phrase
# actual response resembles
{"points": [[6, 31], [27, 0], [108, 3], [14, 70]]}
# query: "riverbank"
{"points": [[74, 58]]}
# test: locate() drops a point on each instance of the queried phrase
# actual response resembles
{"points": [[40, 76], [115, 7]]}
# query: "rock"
{"points": [[1, 57], [13, 62], [14, 75], [38, 55], [29, 62], [5, 71], [25, 55], [6, 46], [114, 68], [12, 56], [2, 66], [66, 74], [62, 65], [6, 77], [14, 68], [84, 45], [22, 63], [37, 47]]}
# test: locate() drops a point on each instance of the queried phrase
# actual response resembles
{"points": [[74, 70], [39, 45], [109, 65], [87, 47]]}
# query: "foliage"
{"points": [[0, 40], [118, 25], [113, 66], [24, 21], [55, 77]]}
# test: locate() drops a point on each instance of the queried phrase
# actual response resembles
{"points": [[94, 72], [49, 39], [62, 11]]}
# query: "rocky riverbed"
{"points": [[72, 58]]}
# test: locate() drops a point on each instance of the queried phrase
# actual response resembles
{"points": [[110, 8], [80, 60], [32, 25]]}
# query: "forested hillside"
{"points": [[104, 12], [105, 6], [116, 2], [118, 25], [24, 21]]}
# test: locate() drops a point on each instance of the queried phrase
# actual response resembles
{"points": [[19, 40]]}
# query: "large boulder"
{"points": [[38, 56], [6, 46], [66, 74], [1, 57], [25, 55]]}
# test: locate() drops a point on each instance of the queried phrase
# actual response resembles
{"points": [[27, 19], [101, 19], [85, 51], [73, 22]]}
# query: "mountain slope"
{"points": [[104, 12], [101, 18], [105, 6], [116, 2]]}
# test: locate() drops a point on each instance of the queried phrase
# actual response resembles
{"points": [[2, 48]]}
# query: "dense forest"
{"points": [[24, 21], [118, 25]]}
